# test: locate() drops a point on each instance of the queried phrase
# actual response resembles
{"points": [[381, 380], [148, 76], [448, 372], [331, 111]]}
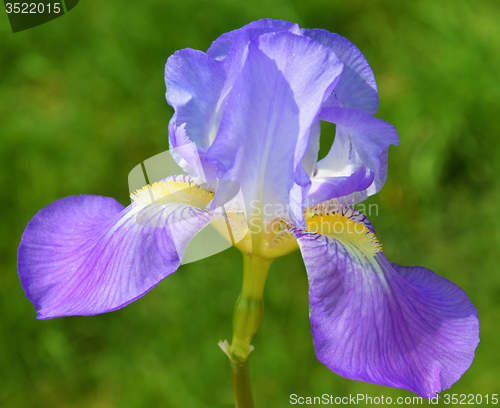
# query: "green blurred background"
{"points": [[82, 102]]}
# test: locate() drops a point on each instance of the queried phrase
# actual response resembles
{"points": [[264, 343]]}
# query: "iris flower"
{"points": [[247, 114]]}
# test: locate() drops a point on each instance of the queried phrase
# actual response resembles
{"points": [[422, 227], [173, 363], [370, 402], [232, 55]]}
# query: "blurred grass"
{"points": [[82, 102]]}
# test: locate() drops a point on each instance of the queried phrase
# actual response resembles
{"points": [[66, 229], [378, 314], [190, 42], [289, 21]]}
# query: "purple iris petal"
{"points": [[190, 156], [356, 88], [404, 327], [361, 141], [326, 188], [236, 41], [311, 155], [197, 85], [194, 84], [265, 129], [84, 255]]}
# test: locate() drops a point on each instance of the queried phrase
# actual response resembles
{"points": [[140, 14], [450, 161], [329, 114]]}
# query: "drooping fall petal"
{"points": [[378, 322], [84, 255]]}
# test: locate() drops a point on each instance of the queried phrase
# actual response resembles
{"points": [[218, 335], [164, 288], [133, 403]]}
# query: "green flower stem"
{"points": [[249, 307], [241, 385], [248, 313]]}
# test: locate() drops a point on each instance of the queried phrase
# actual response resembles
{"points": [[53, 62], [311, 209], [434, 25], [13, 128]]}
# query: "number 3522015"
{"points": [[33, 8]]}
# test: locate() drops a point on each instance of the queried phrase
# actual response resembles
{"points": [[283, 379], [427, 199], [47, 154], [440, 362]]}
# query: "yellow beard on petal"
{"points": [[345, 229], [172, 191]]}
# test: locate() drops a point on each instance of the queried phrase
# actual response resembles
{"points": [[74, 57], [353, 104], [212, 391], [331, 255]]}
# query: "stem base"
{"points": [[241, 385]]}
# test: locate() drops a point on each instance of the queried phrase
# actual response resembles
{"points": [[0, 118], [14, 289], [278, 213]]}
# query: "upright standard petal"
{"points": [[236, 40], [194, 84], [197, 83], [84, 255], [349, 186], [190, 156], [356, 88], [359, 154], [266, 125], [403, 327]]}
